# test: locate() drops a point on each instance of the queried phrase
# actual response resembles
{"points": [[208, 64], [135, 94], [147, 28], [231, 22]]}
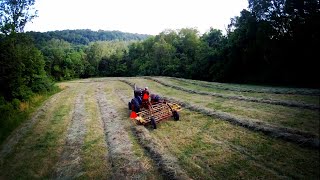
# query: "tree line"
{"points": [[272, 42], [85, 36]]}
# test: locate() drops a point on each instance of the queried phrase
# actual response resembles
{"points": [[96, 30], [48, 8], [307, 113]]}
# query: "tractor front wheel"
{"points": [[175, 115]]}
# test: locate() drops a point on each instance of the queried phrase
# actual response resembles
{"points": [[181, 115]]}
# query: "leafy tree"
{"points": [[94, 55], [14, 14], [113, 65], [213, 38], [163, 54], [293, 37]]}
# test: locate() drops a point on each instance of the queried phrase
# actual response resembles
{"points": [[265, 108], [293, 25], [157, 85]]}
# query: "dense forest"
{"points": [[271, 42]]}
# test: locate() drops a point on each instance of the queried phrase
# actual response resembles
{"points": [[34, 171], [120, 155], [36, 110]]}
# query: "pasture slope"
{"points": [[226, 131]]}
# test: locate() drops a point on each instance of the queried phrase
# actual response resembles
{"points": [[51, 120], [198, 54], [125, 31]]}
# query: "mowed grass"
{"points": [[36, 155], [95, 151], [115, 88], [208, 148], [252, 87], [302, 119], [309, 99]]}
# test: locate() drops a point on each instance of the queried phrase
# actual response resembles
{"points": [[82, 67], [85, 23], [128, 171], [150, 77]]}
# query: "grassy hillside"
{"points": [[226, 131], [85, 36]]}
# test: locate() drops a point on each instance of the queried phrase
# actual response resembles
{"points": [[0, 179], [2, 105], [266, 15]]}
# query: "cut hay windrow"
{"points": [[241, 98], [301, 138], [125, 165], [95, 150], [167, 163], [221, 86], [21, 131], [69, 164]]}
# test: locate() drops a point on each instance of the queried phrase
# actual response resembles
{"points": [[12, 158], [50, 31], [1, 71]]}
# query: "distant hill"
{"points": [[85, 36]]}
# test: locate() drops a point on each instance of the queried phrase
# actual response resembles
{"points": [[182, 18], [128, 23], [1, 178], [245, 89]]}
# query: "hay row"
{"points": [[125, 164], [69, 164], [167, 163], [241, 98], [221, 86], [303, 139]]}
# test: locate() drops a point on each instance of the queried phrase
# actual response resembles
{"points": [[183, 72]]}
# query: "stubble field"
{"points": [[225, 131]]}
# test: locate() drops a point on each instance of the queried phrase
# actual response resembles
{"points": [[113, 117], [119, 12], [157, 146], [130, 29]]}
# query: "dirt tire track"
{"points": [[300, 138], [21, 131], [167, 163], [271, 91], [69, 164], [241, 98], [124, 163]]}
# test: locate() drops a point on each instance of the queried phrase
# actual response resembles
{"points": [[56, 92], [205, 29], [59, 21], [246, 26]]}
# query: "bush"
{"points": [[42, 84], [16, 104], [22, 92], [6, 112]]}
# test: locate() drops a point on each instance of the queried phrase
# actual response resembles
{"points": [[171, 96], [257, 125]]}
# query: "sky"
{"points": [[135, 16]]}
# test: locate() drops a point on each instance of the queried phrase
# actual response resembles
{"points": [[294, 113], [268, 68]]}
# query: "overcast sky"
{"points": [[135, 16]]}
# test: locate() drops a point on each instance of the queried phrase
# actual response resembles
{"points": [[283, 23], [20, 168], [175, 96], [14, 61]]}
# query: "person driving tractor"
{"points": [[141, 99], [145, 94]]}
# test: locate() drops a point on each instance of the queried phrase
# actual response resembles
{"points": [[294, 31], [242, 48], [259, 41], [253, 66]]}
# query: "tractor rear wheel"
{"points": [[175, 115], [153, 123], [136, 106]]}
